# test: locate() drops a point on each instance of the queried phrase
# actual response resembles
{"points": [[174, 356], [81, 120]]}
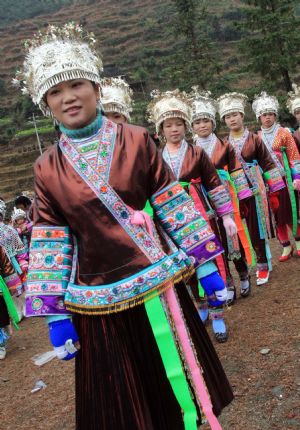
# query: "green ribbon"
{"points": [[9, 303], [171, 360], [148, 209], [185, 184], [290, 189]]}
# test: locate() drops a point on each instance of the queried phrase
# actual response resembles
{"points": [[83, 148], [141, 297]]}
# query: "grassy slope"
{"points": [[133, 35]]}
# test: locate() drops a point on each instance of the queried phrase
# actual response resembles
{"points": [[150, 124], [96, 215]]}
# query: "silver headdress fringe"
{"points": [[169, 104]]}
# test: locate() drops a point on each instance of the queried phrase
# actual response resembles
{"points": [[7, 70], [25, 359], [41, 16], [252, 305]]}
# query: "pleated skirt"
{"points": [[121, 383]]}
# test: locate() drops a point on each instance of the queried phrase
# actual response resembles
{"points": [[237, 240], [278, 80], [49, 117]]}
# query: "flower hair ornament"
{"points": [[293, 102], [116, 96], [204, 106], [57, 55], [169, 104]]}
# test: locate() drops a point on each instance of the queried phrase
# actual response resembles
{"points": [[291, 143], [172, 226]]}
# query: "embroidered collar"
{"points": [[96, 151], [268, 136], [207, 143], [239, 142], [175, 161]]}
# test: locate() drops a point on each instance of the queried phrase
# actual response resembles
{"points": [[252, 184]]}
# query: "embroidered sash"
{"points": [[269, 144], [238, 146], [97, 180]]}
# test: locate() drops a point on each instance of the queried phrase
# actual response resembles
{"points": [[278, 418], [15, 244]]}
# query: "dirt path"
{"points": [[267, 387]]}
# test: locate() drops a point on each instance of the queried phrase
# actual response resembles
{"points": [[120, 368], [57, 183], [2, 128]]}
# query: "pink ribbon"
{"points": [[199, 383], [141, 218]]}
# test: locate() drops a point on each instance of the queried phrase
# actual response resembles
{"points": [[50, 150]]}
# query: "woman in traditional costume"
{"points": [[97, 259], [116, 99], [23, 227], [171, 113], [222, 155], [10, 282], [253, 156], [12, 244], [284, 152]]}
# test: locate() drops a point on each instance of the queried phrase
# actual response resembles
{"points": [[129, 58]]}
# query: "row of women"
{"points": [[124, 234], [258, 171], [14, 259]]}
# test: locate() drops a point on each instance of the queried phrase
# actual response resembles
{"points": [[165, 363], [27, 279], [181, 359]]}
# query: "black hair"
{"points": [[23, 200]]}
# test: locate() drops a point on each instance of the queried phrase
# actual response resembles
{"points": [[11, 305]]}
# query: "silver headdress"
{"points": [[60, 54], [2, 208], [264, 103], [18, 213], [203, 105], [116, 96], [231, 102], [170, 104], [293, 102]]}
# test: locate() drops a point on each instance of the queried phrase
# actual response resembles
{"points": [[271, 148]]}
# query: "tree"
{"points": [[272, 40], [194, 62]]}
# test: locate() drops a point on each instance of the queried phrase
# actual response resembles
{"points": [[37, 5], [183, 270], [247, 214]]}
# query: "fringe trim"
{"points": [[61, 77], [127, 304], [115, 107]]}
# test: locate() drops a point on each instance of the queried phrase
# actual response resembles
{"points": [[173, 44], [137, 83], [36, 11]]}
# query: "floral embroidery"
{"points": [[110, 198]]}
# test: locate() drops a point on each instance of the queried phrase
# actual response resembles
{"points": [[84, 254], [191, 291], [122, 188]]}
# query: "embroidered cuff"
{"points": [[14, 284], [295, 169], [221, 200], [49, 272], [241, 184], [177, 213], [274, 180]]}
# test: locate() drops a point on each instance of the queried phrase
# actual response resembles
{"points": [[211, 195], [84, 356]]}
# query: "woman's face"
{"points": [[203, 127], [116, 117], [234, 121], [267, 119], [73, 103], [174, 130]]}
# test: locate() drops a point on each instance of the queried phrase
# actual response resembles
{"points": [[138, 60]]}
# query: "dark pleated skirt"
{"points": [[284, 215], [4, 317], [121, 383]]}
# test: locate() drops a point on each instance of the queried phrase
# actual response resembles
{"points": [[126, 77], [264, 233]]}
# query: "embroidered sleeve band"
{"points": [[177, 213], [241, 184], [221, 200], [49, 270], [274, 180], [14, 284], [295, 168]]}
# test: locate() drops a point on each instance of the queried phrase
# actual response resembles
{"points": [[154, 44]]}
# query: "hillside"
{"points": [[135, 37], [137, 40]]}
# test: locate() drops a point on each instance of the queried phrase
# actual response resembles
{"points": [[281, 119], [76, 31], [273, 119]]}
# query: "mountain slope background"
{"points": [[137, 39]]}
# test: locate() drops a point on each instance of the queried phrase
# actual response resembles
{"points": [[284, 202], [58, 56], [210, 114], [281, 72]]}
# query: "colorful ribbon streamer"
{"points": [[171, 360], [290, 189], [191, 359], [9, 303]]}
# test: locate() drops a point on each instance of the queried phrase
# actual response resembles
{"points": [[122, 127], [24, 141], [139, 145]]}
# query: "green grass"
{"points": [[31, 131], [5, 121]]}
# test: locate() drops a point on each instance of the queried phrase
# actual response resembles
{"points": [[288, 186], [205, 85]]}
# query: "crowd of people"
{"points": [[133, 236], [14, 260]]}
